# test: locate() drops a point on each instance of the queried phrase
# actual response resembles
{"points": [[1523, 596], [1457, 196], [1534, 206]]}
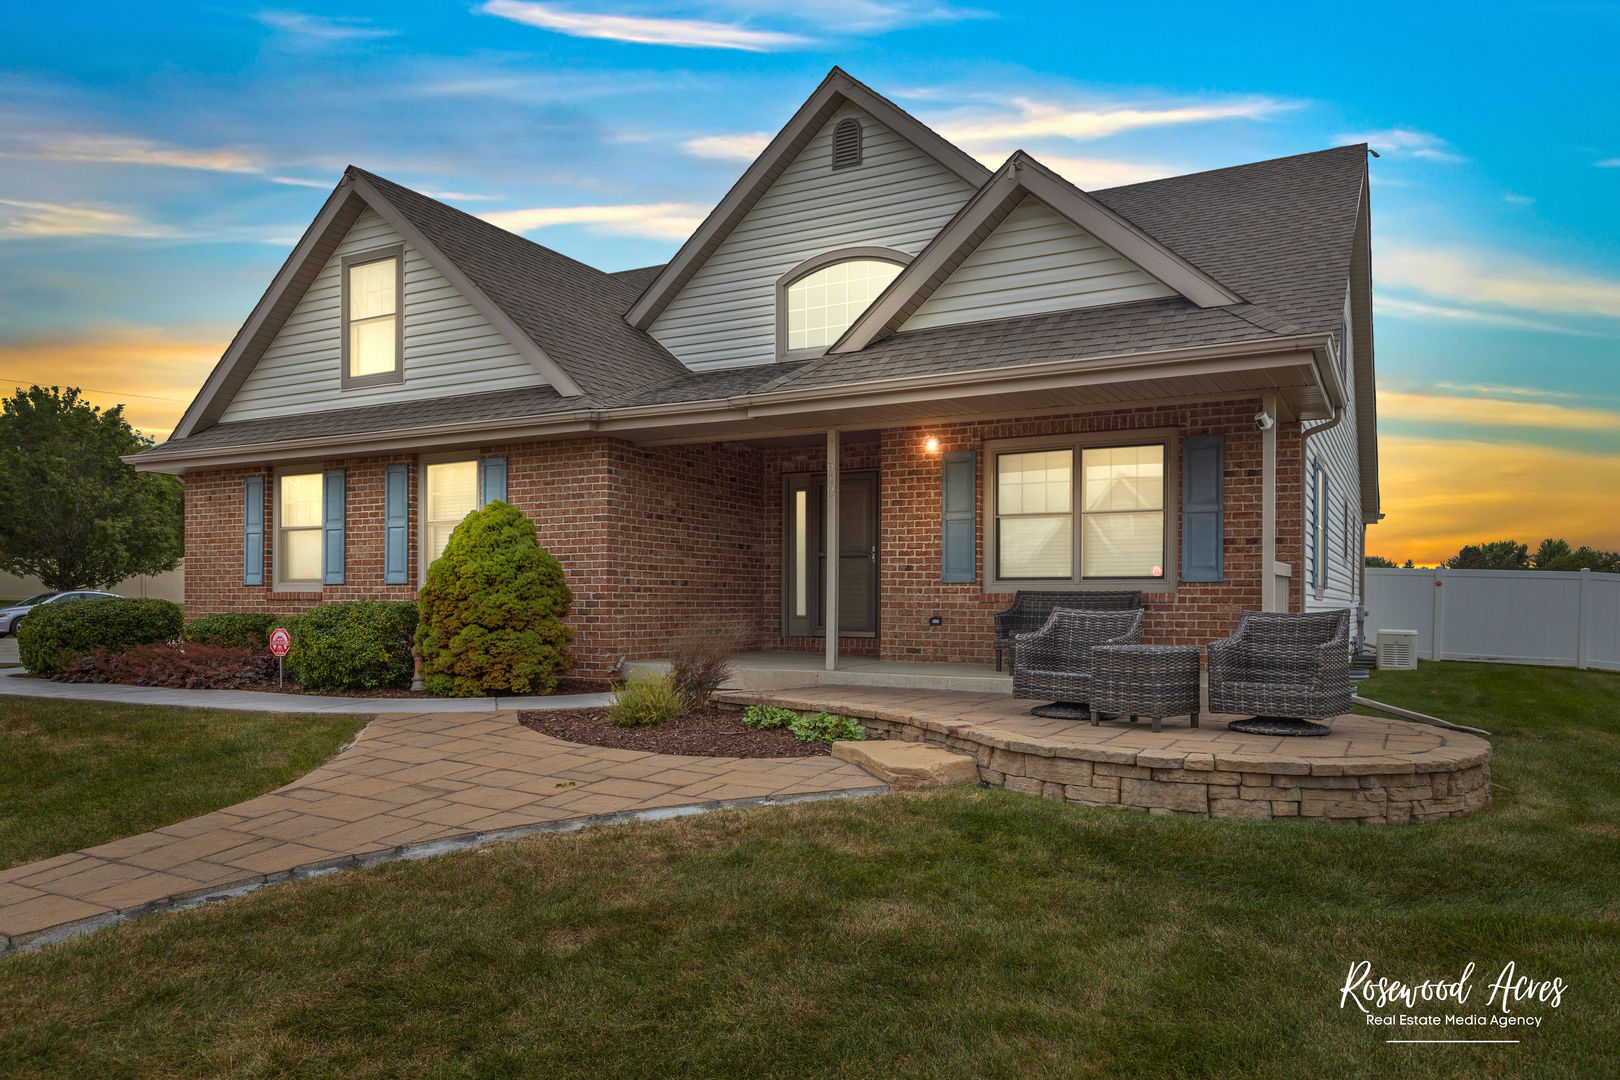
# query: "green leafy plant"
{"points": [[357, 645], [826, 728], [492, 610], [53, 634], [646, 701], [699, 664], [768, 717], [240, 629]]}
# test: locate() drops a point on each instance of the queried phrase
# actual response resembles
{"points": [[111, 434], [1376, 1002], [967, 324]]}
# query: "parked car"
{"points": [[11, 617]]}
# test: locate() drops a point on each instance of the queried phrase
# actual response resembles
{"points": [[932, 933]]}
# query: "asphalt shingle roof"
{"points": [[1280, 233]]}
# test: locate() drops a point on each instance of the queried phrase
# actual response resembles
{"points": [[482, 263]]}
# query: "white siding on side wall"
{"points": [[449, 347], [1337, 451], [898, 197], [1036, 260]]}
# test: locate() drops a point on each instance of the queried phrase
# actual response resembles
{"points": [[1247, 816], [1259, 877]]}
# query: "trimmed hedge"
{"points": [[492, 610], [238, 629], [53, 634], [357, 645]]}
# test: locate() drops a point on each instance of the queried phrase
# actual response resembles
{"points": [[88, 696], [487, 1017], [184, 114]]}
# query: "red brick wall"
{"points": [[660, 542]]}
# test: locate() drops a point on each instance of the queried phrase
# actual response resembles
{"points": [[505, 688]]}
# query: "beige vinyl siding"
{"points": [[449, 347], [898, 197], [1036, 260], [1337, 450]]}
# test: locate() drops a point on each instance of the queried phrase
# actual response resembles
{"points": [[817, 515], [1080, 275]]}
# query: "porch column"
{"points": [[1269, 601], [830, 615]]}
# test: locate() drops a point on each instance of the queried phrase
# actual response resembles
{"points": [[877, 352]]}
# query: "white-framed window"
{"points": [[449, 494], [1077, 509], [1320, 508], [373, 332], [298, 529], [818, 299]]}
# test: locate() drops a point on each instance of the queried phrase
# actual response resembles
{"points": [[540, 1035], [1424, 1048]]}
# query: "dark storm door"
{"points": [[804, 562]]}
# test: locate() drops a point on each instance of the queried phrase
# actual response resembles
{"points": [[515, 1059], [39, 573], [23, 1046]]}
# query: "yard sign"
{"points": [[280, 642]]}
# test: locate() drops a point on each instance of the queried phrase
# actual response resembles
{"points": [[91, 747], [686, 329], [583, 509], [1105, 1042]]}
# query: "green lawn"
{"points": [[74, 774], [963, 933]]}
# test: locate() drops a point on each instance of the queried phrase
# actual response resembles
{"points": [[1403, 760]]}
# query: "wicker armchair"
{"points": [[1286, 670], [1030, 609], [1054, 663]]}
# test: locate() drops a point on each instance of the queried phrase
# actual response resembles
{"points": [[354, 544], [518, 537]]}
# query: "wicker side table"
{"points": [[1155, 681]]}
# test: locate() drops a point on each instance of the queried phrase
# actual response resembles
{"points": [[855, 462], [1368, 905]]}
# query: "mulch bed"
{"points": [[709, 732]]}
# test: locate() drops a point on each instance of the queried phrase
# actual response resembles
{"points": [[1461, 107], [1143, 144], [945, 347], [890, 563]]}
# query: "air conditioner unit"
{"points": [[1397, 650]]}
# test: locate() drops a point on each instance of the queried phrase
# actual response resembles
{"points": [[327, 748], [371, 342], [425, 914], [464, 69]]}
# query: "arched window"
{"points": [[847, 143], [820, 298]]}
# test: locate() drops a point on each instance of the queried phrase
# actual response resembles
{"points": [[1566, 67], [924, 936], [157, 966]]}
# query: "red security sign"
{"points": [[280, 641]]}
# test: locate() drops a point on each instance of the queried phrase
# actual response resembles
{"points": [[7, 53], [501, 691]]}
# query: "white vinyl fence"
{"points": [[1517, 616]]}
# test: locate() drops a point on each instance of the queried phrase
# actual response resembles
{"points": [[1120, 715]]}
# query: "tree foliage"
{"points": [[492, 608], [1378, 562], [72, 513], [1495, 555], [1552, 554]]}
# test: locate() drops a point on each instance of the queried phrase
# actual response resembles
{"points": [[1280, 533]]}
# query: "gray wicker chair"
{"points": [[1285, 669], [1030, 609], [1054, 663]]}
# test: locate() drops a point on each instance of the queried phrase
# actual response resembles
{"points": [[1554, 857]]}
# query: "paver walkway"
{"points": [[406, 781]]}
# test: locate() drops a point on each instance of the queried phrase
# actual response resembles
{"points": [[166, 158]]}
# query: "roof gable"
{"points": [[1022, 177], [836, 90]]}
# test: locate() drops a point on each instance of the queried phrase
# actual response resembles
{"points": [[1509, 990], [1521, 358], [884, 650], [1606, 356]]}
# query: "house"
{"points": [[1005, 381]]}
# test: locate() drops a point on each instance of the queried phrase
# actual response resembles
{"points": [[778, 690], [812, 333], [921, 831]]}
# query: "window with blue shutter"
{"points": [[959, 517], [396, 525], [253, 530], [1203, 507], [491, 480], [332, 515]]}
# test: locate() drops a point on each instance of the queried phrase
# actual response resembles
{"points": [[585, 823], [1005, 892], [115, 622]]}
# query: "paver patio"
{"points": [[406, 781]]}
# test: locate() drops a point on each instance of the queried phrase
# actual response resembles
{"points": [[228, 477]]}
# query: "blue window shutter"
{"points": [[491, 481], [253, 530], [1203, 507], [959, 559], [332, 528], [396, 525]]}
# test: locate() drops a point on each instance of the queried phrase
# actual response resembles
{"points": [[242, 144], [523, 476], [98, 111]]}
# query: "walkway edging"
{"points": [[426, 849]]}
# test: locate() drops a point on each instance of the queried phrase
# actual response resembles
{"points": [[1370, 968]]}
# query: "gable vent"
{"points": [[847, 143]]}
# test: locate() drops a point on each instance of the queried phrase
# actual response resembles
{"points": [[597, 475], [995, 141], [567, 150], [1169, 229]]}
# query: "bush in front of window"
{"points": [[53, 634], [238, 629], [492, 610], [355, 645]]}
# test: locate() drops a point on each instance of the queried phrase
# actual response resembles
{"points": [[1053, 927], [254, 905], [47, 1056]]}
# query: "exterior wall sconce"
{"points": [[931, 445]]}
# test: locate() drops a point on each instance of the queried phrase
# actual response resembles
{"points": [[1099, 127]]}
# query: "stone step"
{"points": [[908, 765]]}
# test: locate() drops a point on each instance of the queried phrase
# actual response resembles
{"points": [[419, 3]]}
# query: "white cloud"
{"points": [[1517, 199], [1090, 172], [659, 221], [34, 220], [1416, 309], [321, 29], [644, 30], [461, 196], [861, 16], [1496, 412], [744, 146], [100, 148], [1406, 142], [1485, 277], [1609, 163], [1031, 119]]}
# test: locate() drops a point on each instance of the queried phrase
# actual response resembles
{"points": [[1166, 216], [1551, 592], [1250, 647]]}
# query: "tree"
{"points": [[1496, 555], [72, 513], [1378, 562], [1549, 552]]}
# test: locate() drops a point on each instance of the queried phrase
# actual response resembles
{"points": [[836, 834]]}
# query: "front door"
{"points": [[804, 579]]}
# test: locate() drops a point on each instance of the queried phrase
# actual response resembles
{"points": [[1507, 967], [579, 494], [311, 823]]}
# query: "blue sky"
{"points": [[156, 164]]}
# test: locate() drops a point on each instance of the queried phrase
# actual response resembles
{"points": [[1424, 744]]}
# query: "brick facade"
{"points": [[658, 542]]}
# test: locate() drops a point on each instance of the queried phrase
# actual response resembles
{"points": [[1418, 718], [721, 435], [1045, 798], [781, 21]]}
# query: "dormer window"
{"points": [[373, 332], [819, 299], [847, 143]]}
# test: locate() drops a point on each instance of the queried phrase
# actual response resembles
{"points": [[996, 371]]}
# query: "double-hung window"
{"points": [[451, 493], [1071, 512], [298, 528], [373, 334]]}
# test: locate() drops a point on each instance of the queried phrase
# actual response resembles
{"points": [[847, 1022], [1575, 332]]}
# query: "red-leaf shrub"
{"points": [[187, 666]]}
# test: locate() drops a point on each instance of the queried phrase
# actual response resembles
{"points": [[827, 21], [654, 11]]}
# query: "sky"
{"points": [[157, 163]]}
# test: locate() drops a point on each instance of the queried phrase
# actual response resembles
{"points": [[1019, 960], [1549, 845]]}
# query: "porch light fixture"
{"points": [[931, 445]]}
